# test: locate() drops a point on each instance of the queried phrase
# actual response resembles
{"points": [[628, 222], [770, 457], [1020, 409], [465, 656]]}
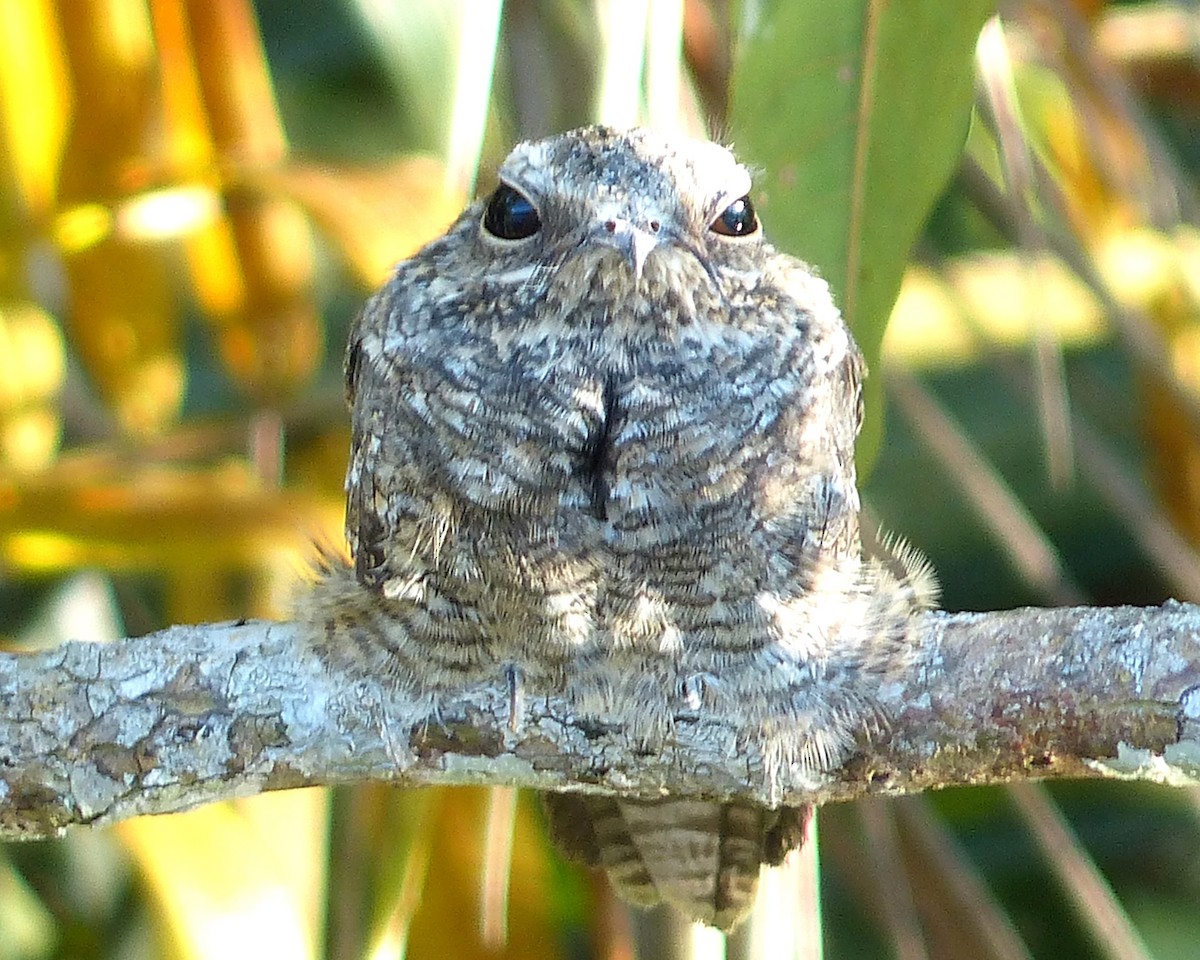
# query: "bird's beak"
{"points": [[632, 242]]}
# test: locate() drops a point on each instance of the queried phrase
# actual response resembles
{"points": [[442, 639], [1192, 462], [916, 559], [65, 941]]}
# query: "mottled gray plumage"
{"points": [[616, 458]]}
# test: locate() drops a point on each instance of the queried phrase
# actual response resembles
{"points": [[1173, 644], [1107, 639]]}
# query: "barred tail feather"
{"points": [[700, 857]]}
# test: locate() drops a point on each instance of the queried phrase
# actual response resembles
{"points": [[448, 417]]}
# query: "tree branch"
{"points": [[95, 733]]}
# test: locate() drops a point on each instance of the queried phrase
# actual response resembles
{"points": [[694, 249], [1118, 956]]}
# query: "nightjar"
{"points": [[603, 441]]}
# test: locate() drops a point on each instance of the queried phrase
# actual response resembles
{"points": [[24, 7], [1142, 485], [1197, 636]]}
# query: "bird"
{"points": [[603, 445]]}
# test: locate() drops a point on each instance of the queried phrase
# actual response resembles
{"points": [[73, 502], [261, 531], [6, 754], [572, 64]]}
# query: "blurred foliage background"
{"points": [[195, 196]]}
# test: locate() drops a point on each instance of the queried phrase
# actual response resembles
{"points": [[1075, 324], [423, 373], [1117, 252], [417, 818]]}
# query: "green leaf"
{"points": [[856, 113]]}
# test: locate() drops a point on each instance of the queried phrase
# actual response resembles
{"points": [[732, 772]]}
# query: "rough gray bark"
{"points": [[92, 734]]}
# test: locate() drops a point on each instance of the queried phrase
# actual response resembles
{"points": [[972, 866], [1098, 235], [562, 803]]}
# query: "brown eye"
{"points": [[510, 215], [737, 220]]}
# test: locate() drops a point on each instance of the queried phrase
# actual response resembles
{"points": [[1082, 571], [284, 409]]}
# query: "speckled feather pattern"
{"points": [[632, 485]]}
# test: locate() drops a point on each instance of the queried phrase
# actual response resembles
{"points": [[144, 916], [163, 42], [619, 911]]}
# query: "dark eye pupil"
{"points": [[737, 220], [510, 215]]}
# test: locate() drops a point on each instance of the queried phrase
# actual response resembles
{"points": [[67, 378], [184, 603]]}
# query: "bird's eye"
{"points": [[737, 220], [510, 215]]}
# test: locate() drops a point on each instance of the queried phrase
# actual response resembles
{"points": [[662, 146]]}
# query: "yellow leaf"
{"points": [[377, 216], [230, 885]]}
